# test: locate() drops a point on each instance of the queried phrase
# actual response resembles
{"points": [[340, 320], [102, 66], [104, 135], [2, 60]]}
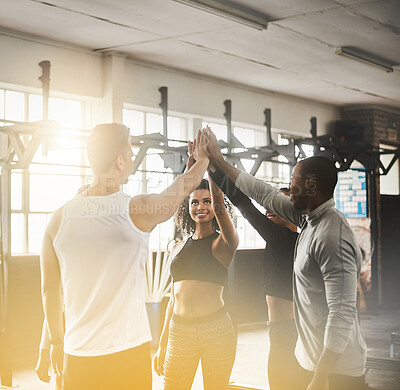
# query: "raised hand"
{"points": [[212, 147], [191, 160], [200, 152]]}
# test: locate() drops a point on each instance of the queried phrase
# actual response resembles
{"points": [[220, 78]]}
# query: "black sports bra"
{"points": [[196, 262]]}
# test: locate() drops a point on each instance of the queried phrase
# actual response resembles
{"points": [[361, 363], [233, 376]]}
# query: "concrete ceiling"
{"points": [[295, 55]]}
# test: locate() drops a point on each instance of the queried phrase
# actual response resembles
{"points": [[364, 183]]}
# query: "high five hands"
{"points": [[191, 160], [212, 147], [205, 144]]}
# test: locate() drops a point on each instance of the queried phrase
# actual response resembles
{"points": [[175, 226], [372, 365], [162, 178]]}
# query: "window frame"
{"points": [[25, 209]]}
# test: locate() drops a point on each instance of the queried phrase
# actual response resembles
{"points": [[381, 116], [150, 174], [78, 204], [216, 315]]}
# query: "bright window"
{"points": [[18, 243], [56, 172], [154, 123], [152, 175], [2, 104], [16, 191], [35, 112], [36, 227], [220, 131], [247, 137], [14, 106], [134, 120], [284, 168]]}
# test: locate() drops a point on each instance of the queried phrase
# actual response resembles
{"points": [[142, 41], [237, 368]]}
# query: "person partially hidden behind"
{"points": [[330, 349], [280, 237], [93, 260]]}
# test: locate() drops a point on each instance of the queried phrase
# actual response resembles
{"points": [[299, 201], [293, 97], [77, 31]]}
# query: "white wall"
{"points": [[73, 71], [390, 183], [80, 72], [204, 96]]}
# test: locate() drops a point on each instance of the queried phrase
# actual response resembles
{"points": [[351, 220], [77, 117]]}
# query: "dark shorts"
{"points": [[278, 274], [125, 370], [278, 263]]}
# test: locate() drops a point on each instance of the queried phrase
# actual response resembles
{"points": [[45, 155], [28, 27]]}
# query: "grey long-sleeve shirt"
{"points": [[327, 266]]}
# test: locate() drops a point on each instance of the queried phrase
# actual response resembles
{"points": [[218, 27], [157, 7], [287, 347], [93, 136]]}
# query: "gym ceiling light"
{"points": [[365, 58], [228, 12]]}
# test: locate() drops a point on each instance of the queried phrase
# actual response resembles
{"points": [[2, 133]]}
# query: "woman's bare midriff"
{"points": [[195, 298]]}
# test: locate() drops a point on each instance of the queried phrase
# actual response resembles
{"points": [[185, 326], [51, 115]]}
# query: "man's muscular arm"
{"points": [[52, 292], [147, 211]]}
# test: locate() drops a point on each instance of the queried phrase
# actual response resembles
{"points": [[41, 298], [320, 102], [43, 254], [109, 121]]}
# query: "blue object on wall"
{"points": [[351, 194]]}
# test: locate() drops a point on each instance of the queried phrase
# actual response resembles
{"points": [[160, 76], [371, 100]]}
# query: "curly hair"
{"points": [[184, 221]]}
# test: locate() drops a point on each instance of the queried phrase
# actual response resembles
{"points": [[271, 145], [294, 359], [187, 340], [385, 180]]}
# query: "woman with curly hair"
{"points": [[197, 326]]}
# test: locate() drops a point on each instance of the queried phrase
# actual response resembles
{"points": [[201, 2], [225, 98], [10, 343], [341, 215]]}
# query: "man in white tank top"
{"points": [[93, 261]]}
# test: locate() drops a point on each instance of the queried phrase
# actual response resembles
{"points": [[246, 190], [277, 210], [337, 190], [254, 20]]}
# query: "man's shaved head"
{"points": [[322, 171]]}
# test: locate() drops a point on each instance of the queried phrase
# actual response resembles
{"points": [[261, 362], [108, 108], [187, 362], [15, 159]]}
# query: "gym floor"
{"points": [[251, 358]]}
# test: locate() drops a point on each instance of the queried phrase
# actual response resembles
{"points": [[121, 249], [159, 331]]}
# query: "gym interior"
{"points": [[277, 81]]}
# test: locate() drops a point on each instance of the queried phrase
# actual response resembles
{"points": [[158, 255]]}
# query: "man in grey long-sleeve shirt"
{"points": [[330, 347]]}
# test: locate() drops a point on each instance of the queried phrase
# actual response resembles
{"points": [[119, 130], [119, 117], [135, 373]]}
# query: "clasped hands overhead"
{"points": [[205, 146]]}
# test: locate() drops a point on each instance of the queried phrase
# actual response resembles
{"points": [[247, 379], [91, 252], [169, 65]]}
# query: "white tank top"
{"points": [[102, 257]]}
